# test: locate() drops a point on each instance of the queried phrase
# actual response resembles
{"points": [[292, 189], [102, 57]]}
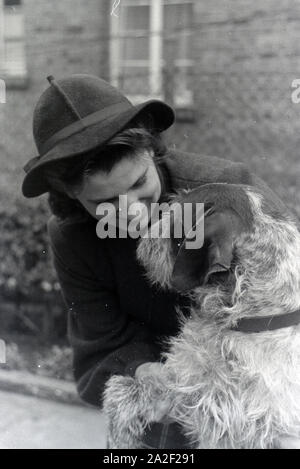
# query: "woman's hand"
{"points": [[288, 442], [149, 369], [155, 370]]}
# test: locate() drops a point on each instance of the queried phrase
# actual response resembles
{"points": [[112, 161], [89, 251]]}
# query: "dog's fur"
{"points": [[229, 389]]}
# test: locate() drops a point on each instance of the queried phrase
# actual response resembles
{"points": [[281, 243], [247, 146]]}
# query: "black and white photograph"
{"points": [[149, 227]]}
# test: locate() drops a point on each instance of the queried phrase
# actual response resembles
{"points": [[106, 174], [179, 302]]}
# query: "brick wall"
{"points": [[247, 55]]}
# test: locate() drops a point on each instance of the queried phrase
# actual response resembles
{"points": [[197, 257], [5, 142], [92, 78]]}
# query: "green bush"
{"points": [[53, 361], [14, 358], [56, 363], [27, 276], [25, 257]]}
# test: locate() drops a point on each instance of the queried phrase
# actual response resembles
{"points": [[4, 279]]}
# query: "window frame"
{"points": [[156, 62], [18, 78], [2, 39]]}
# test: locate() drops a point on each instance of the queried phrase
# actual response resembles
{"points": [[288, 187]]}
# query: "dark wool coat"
{"points": [[116, 320]]}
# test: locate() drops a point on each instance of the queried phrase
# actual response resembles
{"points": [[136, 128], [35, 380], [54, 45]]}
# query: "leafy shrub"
{"points": [[54, 361], [57, 363], [25, 257], [27, 275], [14, 358]]}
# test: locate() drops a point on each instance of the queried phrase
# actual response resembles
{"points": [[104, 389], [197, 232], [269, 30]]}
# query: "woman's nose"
{"points": [[138, 208], [136, 197], [132, 197]]}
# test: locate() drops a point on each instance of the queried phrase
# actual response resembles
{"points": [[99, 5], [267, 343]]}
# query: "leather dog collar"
{"points": [[267, 323]]}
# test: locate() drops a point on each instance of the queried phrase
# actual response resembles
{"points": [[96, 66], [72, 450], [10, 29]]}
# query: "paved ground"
{"points": [[30, 422]]}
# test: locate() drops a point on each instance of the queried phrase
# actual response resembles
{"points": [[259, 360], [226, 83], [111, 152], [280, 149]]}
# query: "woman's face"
{"points": [[136, 177]]}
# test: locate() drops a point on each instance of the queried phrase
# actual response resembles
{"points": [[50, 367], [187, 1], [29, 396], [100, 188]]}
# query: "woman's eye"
{"points": [[140, 182], [110, 201]]}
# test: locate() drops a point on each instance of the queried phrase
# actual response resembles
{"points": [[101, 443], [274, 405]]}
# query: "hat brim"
{"points": [[96, 135]]}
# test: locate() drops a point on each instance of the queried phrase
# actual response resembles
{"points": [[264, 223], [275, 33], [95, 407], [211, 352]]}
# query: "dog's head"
{"points": [[244, 227]]}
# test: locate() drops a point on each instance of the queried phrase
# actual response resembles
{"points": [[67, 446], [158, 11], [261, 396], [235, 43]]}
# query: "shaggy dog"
{"points": [[233, 371]]}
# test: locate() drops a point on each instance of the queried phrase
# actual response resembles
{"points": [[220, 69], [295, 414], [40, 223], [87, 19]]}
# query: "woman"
{"points": [[94, 145]]}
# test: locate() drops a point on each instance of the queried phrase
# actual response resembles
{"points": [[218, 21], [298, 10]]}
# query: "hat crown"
{"points": [[74, 97]]}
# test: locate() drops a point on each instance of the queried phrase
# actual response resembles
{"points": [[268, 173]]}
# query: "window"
{"points": [[12, 46], [151, 50]]}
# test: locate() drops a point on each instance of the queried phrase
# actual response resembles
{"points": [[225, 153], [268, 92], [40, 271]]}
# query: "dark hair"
{"points": [[65, 178]]}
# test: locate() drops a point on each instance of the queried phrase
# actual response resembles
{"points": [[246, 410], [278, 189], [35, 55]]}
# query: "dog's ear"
{"points": [[194, 267]]}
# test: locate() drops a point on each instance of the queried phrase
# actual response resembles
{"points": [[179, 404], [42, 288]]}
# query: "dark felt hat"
{"points": [[74, 115]]}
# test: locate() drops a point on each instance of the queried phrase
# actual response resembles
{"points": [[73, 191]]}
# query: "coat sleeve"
{"points": [[105, 341]]}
